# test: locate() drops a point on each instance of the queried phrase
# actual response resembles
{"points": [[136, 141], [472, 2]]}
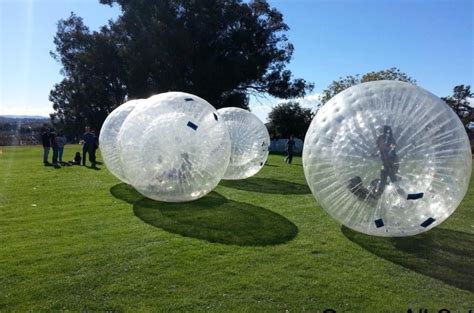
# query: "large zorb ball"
{"points": [[249, 141], [108, 138], [174, 147], [387, 158]]}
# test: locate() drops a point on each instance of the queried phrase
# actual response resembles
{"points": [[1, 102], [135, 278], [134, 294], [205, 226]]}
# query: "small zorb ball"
{"points": [[387, 158], [249, 141], [174, 147], [108, 138]]}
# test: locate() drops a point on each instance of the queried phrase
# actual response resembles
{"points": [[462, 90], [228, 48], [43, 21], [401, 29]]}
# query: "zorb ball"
{"points": [[249, 141], [174, 147], [108, 138], [387, 158]]}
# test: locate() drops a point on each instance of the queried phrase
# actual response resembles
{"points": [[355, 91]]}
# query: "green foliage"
{"points": [[69, 244], [288, 119], [218, 50], [459, 102], [94, 76], [343, 83]]}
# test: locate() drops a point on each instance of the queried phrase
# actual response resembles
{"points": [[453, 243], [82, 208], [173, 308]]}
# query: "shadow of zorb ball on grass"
{"points": [[108, 139], [387, 158], [249, 143], [174, 147]]}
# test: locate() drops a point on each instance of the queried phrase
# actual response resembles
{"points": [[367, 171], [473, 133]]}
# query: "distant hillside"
{"points": [[21, 129], [23, 117]]}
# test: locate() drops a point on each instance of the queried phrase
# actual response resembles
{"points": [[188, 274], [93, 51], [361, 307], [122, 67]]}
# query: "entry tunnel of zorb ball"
{"points": [[387, 158], [174, 147]]}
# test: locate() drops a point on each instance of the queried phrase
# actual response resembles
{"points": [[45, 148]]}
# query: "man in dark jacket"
{"points": [[55, 147], [89, 146], [290, 146], [46, 140]]}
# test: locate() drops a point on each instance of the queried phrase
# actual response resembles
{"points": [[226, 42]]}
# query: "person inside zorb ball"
{"points": [[387, 158], [174, 147]]}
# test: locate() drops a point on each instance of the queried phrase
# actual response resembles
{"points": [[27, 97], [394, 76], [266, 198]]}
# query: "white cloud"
{"points": [[310, 101], [261, 111]]}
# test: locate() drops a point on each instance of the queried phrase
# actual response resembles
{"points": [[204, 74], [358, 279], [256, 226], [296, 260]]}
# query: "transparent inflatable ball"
{"points": [[387, 158], [174, 147], [250, 143], [108, 138]]}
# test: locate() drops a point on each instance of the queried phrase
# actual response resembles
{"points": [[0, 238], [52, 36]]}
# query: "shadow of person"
{"points": [[125, 193], [266, 185], [217, 219], [443, 254]]}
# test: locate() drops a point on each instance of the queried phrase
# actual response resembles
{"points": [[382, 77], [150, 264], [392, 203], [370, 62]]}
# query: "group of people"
{"points": [[386, 149], [56, 142]]}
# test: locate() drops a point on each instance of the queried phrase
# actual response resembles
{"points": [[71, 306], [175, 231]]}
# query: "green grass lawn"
{"points": [[77, 239]]}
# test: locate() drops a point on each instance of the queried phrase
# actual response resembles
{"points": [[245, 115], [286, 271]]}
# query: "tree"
{"points": [[93, 85], [289, 119], [459, 102], [220, 50], [343, 83]]}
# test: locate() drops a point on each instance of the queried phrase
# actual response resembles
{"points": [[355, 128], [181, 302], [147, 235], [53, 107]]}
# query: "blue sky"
{"points": [[432, 41]]}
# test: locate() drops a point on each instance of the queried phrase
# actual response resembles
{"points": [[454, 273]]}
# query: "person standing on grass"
{"points": [[88, 147], [55, 147], [290, 146], [95, 146], [46, 141], [61, 140], [85, 144]]}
